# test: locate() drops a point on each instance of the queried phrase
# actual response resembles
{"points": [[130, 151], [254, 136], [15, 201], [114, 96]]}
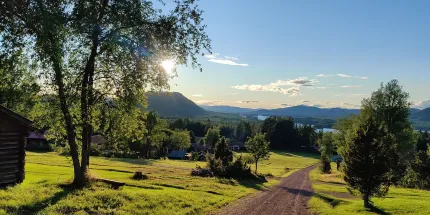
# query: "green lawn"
{"points": [[169, 190], [333, 197]]}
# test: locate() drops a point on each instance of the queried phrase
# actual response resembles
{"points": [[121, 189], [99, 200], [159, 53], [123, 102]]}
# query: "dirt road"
{"points": [[289, 197]]}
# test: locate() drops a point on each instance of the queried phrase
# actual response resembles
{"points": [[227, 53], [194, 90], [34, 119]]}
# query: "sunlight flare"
{"points": [[168, 65]]}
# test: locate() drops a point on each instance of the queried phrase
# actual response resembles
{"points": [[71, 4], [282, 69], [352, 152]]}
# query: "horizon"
{"points": [[309, 53]]}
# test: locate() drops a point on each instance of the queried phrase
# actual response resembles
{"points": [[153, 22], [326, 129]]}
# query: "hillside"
{"points": [[307, 111], [423, 115], [173, 104]]}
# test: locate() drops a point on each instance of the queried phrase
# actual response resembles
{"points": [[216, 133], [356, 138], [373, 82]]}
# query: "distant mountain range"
{"points": [[173, 104], [227, 109]]}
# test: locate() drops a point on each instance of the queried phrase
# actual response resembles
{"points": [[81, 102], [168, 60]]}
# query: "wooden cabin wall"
{"points": [[12, 150]]}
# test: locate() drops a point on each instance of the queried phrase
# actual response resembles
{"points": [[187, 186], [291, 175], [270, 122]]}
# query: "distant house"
{"points": [[237, 145], [13, 130], [98, 140], [177, 154], [37, 141]]}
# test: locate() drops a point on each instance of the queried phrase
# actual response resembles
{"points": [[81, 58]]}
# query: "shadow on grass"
{"points": [[378, 210], [36, 207], [256, 183], [330, 200]]}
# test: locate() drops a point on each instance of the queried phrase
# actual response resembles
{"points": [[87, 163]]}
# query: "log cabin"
{"points": [[13, 130]]}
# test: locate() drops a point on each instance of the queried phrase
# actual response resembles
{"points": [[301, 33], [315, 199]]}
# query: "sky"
{"points": [[273, 54]]}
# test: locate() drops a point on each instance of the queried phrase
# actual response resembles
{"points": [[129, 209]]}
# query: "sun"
{"points": [[168, 65]]}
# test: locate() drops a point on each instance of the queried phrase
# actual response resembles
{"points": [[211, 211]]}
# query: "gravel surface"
{"points": [[289, 197]]}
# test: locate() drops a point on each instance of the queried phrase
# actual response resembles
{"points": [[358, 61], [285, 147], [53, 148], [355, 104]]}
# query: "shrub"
{"points": [[215, 165], [202, 172], [325, 164], [194, 156], [239, 169], [139, 176]]}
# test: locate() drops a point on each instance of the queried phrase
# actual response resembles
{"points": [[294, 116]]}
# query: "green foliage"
{"points": [[223, 152], [243, 130], [89, 52], [212, 137], [18, 87], [367, 159], [258, 147], [282, 133], [389, 106], [326, 145]]}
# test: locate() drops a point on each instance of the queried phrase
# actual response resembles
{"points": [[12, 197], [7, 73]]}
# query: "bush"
{"points": [[239, 170], [202, 172], [325, 164], [139, 176], [194, 156], [215, 165]]}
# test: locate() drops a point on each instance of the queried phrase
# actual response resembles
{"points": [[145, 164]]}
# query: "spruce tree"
{"points": [[367, 159]]}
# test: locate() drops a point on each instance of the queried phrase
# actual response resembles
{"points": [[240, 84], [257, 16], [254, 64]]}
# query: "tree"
{"points": [[258, 147], [212, 137], [367, 159], [223, 152], [389, 106], [243, 130], [18, 87], [192, 137], [326, 149], [89, 51]]}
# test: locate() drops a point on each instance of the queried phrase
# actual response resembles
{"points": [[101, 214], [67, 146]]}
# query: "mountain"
{"points": [[307, 111], [226, 109], [170, 104], [423, 115]]}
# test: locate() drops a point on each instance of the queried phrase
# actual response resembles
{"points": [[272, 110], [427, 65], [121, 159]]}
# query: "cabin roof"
{"points": [[21, 119]]}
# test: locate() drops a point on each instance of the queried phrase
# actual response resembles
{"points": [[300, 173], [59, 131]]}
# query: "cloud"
{"points": [[212, 56], [423, 104], [351, 86], [350, 105], [305, 101], [247, 102], [343, 75], [286, 105], [324, 75], [279, 86], [321, 88], [227, 62], [197, 95], [232, 94], [361, 77], [231, 58], [208, 102]]}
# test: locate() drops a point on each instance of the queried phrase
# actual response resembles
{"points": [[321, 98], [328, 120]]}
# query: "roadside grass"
{"points": [[169, 189], [333, 197]]}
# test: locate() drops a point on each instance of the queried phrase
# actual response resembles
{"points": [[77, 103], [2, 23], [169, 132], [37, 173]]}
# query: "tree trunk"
{"points": [[256, 162], [366, 200], [70, 128]]}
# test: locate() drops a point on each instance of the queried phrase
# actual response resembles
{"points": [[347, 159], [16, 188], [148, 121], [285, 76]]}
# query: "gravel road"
{"points": [[291, 196]]}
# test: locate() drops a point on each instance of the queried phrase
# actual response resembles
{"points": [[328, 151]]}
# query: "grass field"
{"points": [[169, 189], [333, 197]]}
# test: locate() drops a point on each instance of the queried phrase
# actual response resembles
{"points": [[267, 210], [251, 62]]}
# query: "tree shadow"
{"points": [[256, 183], [330, 200], [297, 191], [36, 207], [378, 210]]}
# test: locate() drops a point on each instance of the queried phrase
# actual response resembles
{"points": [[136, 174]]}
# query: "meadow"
{"points": [[169, 189], [333, 197]]}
